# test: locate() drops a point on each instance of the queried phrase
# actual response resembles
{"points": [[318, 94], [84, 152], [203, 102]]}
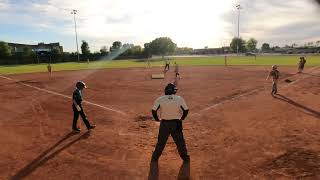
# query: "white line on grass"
{"points": [[62, 95]]}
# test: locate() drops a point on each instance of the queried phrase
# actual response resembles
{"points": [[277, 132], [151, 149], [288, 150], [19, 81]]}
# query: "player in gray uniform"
{"points": [[173, 110], [275, 78]]}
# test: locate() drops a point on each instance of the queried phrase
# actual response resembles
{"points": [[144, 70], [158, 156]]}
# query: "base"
{"points": [[157, 76]]}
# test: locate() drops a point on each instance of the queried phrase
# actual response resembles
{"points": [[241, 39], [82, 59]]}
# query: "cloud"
{"points": [[3, 4], [189, 23], [278, 22]]}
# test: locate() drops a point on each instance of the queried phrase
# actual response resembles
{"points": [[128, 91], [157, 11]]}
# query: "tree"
{"points": [[147, 49], [310, 44], [265, 46], [162, 46], [252, 44], [275, 48], [28, 52], [56, 53], [116, 46], [5, 50], [104, 50], [85, 48], [234, 43], [137, 50]]}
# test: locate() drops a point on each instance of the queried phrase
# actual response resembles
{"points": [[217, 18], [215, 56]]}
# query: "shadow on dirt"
{"points": [[184, 172], [47, 155], [297, 163], [142, 118], [153, 171], [308, 110]]}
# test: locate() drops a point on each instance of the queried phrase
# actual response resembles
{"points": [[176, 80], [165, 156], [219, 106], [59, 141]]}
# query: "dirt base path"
{"points": [[235, 130]]}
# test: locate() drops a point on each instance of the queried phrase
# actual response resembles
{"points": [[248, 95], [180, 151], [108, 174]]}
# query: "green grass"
{"points": [[184, 61]]}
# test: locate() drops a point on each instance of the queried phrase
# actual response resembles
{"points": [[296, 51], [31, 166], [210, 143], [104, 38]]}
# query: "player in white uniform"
{"points": [[173, 110]]}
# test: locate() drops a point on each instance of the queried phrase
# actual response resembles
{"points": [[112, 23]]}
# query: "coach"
{"points": [[170, 106]]}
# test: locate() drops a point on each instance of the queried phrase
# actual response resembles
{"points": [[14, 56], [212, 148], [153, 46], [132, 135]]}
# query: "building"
{"points": [[39, 48]]}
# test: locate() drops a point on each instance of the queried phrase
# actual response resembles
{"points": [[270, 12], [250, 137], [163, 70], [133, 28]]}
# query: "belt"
{"points": [[170, 119]]}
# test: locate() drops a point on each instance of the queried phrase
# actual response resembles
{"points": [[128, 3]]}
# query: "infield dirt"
{"points": [[235, 130]]}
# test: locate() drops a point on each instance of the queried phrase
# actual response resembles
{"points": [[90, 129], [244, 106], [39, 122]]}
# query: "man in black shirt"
{"points": [[301, 64], [78, 109]]}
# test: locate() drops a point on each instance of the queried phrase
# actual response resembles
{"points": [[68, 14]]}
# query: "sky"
{"points": [[189, 23]]}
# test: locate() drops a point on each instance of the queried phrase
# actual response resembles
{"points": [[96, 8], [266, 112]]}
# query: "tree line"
{"points": [[161, 46]]}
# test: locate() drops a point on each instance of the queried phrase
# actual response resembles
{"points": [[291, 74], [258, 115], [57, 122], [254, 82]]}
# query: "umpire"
{"points": [[170, 106], [78, 109]]}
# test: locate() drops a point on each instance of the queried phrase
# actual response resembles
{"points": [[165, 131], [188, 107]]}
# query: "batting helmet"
{"points": [[274, 67], [81, 85], [170, 89]]}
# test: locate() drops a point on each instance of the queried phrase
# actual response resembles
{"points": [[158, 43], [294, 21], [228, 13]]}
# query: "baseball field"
{"points": [[235, 128]]}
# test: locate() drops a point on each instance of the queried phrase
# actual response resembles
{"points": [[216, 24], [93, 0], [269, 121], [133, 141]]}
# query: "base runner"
{"points": [[177, 74], [170, 106], [49, 67], [167, 66], [176, 70], [78, 109], [275, 74]]}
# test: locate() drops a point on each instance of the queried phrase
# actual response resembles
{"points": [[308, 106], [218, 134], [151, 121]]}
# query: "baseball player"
{"points": [[167, 67], [78, 109], [275, 77], [176, 69], [173, 110], [301, 64], [49, 67]]}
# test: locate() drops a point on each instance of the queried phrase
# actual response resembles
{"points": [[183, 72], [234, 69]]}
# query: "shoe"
{"points": [[77, 130], [92, 127]]}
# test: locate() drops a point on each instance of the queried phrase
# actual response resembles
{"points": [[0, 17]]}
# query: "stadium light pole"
{"points": [[238, 8], [74, 12]]}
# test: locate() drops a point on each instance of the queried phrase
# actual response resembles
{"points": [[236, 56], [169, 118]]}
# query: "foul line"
{"points": [[62, 95], [228, 100]]}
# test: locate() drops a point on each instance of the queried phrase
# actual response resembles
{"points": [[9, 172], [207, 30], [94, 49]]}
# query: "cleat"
{"points": [[76, 130], [92, 127]]}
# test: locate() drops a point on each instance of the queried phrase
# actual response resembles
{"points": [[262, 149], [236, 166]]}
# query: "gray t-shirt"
{"points": [[170, 106]]}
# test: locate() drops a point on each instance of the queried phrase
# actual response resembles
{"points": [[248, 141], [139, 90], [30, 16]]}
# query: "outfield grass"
{"points": [[184, 61]]}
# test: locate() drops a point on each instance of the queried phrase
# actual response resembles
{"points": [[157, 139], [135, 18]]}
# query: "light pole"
{"points": [[238, 8], [74, 12]]}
